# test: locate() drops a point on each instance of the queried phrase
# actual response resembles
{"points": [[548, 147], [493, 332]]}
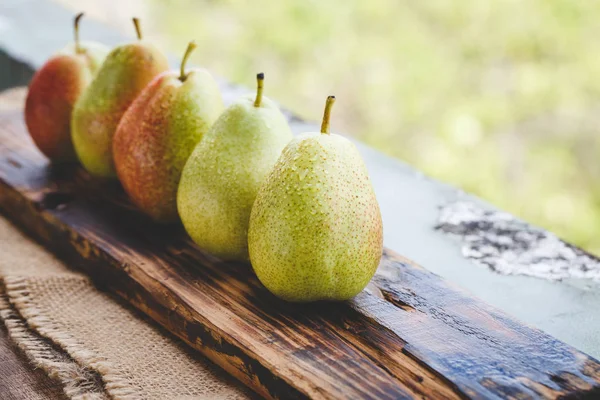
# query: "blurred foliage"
{"points": [[501, 98]]}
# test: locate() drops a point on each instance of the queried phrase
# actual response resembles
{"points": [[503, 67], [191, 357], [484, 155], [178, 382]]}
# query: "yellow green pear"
{"points": [[124, 73], [315, 230], [221, 178]]}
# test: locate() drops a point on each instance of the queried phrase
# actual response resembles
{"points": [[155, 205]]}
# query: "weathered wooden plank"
{"points": [[410, 334]]}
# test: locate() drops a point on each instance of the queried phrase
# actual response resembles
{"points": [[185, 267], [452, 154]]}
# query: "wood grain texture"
{"points": [[410, 334], [19, 380]]}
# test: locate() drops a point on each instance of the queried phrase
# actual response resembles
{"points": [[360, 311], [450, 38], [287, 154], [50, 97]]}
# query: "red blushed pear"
{"points": [[158, 133], [53, 92]]}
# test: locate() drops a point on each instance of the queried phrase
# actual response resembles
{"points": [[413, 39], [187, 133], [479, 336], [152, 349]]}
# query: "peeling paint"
{"points": [[510, 246]]}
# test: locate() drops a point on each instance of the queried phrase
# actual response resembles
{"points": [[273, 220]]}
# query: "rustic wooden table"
{"points": [[410, 334], [18, 379], [409, 205], [409, 202]]}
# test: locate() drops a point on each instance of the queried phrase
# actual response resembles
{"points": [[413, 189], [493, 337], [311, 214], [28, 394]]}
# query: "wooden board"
{"points": [[410, 334]]}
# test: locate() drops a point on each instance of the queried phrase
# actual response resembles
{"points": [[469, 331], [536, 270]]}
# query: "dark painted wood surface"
{"points": [[19, 380], [411, 334]]}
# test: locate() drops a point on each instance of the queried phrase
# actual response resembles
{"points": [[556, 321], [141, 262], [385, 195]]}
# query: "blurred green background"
{"points": [[500, 98]]}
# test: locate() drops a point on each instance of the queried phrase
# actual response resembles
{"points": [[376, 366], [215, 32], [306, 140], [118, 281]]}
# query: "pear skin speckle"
{"points": [[125, 72], [221, 178], [315, 229], [157, 134]]}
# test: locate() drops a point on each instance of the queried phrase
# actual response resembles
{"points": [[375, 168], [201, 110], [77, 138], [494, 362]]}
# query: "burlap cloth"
{"points": [[93, 343]]}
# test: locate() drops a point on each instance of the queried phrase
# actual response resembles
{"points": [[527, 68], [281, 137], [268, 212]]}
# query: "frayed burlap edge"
{"points": [[115, 382], [77, 382]]}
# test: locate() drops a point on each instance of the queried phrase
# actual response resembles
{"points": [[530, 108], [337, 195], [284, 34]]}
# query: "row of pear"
{"points": [[301, 209]]}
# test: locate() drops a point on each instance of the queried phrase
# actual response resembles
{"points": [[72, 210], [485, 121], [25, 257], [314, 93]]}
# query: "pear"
{"points": [[125, 72], [52, 94], [221, 178], [159, 131], [315, 229]]}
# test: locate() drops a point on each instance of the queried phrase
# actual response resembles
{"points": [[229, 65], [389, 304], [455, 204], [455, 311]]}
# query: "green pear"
{"points": [[315, 230], [221, 178], [125, 72], [159, 131]]}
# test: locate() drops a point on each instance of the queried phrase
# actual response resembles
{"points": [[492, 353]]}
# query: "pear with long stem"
{"points": [[121, 78], [53, 92], [315, 230], [158, 133], [222, 176]]}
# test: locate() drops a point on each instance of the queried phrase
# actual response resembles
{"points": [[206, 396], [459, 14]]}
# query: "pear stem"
{"points": [[260, 78], [138, 28], [327, 114], [188, 51], [78, 48]]}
